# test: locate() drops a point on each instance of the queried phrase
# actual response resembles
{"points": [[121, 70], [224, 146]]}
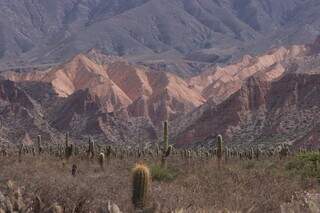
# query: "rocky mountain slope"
{"points": [[284, 110], [181, 36], [21, 116], [261, 112], [119, 85], [29, 109], [271, 97]]}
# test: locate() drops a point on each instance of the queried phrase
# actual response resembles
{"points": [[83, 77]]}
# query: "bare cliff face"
{"points": [[268, 98]]}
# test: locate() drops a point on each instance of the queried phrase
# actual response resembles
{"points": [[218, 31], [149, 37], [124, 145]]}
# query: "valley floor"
{"points": [[195, 185]]}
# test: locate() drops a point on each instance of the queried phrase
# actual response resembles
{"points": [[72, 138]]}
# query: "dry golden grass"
{"points": [[243, 186]]}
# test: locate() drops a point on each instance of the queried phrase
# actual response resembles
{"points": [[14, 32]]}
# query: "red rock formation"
{"points": [[104, 95], [221, 82], [279, 111], [120, 85]]}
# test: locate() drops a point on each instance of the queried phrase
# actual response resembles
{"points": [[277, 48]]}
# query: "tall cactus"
{"points": [[67, 139], [108, 152], [167, 149], [219, 150], [91, 149], [69, 148], [39, 144], [165, 135], [140, 186]]}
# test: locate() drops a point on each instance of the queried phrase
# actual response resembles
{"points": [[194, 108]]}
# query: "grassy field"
{"points": [[195, 184]]}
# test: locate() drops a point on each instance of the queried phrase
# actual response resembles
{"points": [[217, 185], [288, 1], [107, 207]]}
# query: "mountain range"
{"points": [[265, 99], [181, 36]]}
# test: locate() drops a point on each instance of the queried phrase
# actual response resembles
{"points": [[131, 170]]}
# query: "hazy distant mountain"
{"points": [[40, 31]]}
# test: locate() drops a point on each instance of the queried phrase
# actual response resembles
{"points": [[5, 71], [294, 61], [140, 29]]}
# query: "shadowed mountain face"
{"points": [[159, 33]]}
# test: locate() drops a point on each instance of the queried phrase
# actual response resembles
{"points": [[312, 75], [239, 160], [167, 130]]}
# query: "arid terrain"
{"points": [[192, 180], [159, 106]]}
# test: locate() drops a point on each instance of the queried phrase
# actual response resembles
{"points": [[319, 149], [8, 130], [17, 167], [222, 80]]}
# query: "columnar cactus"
{"points": [[226, 154], [165, 135], [39, 144], [21, 147], [140, 187], [68, 149], [91, 148], [101, 159], [167, 149], [257, 153], [219, 149], [67, 139], [108, 152]]}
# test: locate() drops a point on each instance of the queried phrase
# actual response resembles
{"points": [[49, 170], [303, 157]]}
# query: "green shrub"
{"points": [[160, 173], [249, 165], [306, 165]]}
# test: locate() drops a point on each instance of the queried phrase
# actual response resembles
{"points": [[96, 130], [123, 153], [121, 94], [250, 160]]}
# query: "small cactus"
{"points": [[37, 205], [74, 170], [141, 184], [55, 208], [68, 152], [284, 151]]}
